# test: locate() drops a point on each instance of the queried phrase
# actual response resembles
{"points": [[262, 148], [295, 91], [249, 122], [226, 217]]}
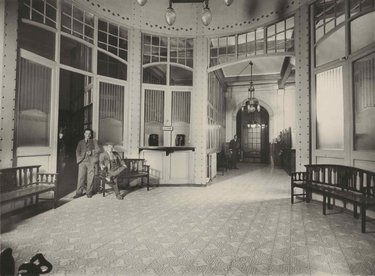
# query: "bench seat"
{"points": [[136, 168], [26, 192], [19, 183], [348, 184]]}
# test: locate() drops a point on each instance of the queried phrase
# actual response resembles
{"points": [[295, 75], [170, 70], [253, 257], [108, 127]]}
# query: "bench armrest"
{"points": [[298, 176], [48, 178], [147, 168]]}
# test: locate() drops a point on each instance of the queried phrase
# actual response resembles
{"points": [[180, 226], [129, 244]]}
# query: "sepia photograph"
{"points": [[187, 137]]}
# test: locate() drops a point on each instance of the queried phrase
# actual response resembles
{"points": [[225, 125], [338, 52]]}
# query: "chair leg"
{"points": [[102, 184], [54, 198], [363, 218], [292, 195], [355, 210], [324, 204], [308, 196]]}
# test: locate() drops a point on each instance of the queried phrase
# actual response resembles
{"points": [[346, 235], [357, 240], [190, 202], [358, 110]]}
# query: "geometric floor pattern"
{"points": [[240, 224]]}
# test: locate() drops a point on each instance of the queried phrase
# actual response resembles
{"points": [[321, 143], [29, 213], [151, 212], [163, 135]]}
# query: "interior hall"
{"points": [[187, 137]]}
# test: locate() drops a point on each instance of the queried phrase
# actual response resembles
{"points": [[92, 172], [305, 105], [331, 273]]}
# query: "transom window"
{"points": [[251, 43], [77, 22], [41, 11], [280, 38], [182, 51], [113, 39], [155, 49], [328, 14]]}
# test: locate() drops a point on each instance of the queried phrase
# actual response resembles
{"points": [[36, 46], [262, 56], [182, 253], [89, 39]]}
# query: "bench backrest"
{"points": [[135, 165], [17, 177], [344, 177]]}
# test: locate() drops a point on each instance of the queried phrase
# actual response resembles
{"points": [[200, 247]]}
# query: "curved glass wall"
{"points": [[274, 38], [343, 66], [38, 38]]}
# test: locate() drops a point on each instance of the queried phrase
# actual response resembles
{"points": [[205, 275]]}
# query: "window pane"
{"points": [[364, 103], [181, 76], [111, 67], [154, 117], [329, 109], [36, 40], [75, 54], [111, 113], [33, 104], [362, 31], [155, 74], [331, 48]]}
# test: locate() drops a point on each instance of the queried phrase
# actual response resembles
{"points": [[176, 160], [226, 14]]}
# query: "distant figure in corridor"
{"points": [[61, 152], [234, 146], [112, 166], [87, 158]]}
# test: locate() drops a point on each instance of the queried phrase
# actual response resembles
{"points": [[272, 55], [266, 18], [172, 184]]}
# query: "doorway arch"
{"points": [[253, 130]]}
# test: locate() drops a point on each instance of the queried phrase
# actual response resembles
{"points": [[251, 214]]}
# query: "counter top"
{"points": [[167, 150]]}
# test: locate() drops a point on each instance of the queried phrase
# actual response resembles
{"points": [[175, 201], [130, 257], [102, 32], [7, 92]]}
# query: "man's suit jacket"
{"points": [[83, 148], [105, 160]]}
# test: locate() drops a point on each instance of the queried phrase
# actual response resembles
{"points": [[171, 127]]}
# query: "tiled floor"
{"points": [[240, 224]]}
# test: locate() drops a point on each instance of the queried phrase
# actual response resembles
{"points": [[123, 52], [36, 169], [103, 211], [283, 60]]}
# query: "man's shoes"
{"points": [[120, 197], [236, 168], [89, 195], [77, 196]]}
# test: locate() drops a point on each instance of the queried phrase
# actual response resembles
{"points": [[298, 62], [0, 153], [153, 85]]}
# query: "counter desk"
{"points": [[170, 165]]}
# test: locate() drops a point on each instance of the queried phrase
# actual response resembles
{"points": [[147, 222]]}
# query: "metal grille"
{"points": [[154, 106], [180, 107], [111, 112]]}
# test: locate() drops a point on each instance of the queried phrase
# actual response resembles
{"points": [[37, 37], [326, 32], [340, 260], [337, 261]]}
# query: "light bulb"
{"points": [[228, 2], [170, 16], [142, 2], [206, 16]]}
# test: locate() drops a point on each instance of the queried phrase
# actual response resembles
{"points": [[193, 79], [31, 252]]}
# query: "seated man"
{"points": [[110, 162]]}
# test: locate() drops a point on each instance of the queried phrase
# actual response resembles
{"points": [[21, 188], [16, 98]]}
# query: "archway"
{"points": [[253, 130]]}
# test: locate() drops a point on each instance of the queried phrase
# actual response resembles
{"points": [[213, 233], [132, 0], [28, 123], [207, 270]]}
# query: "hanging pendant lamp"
{"points": [[170, 15], [206, 15], [252, 103], [228, 2], [142, 2]]}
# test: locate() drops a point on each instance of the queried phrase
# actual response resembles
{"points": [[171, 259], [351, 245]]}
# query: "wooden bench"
{"points": [[348, 184], [136, 168], [22, 183]]}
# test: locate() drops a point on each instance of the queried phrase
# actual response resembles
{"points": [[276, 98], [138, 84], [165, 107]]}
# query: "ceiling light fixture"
{"points": [[170, 14], [142, 2], [252, 103], [228, 2], [206, 15]]}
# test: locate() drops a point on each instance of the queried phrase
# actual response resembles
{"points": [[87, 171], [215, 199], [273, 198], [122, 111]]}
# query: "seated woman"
{"points": [[112, 165]]}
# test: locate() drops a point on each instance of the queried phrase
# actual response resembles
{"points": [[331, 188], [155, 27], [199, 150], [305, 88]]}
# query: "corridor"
{"points": [[242, 223]]}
